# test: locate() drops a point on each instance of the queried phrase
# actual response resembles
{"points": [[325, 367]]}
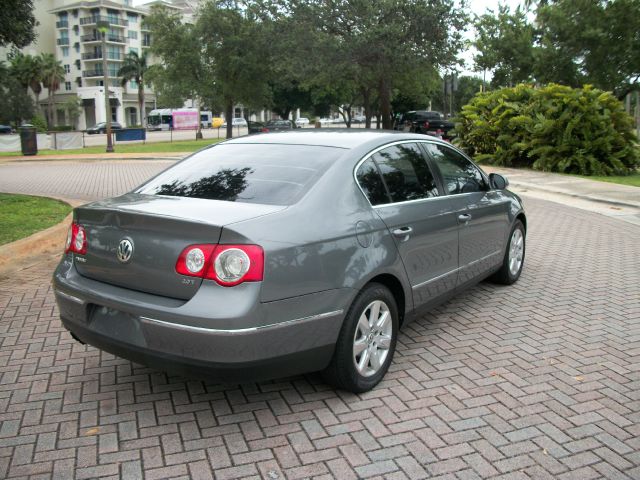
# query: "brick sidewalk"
{"points": [[537, 380]]}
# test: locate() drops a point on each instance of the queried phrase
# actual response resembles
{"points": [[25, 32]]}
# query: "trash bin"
{"points": [[28, 141]]}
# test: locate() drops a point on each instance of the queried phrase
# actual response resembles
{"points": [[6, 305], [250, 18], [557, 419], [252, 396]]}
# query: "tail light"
{"points": [[426, 125], [76, 240], [265, 130], [228, 265]]}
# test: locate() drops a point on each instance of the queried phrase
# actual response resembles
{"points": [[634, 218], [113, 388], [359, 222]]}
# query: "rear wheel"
{"points": [[367, 341], [513, 258]]}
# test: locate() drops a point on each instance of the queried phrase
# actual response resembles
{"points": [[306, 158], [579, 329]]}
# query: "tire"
{"points": [[513, 257], [379, 343]]}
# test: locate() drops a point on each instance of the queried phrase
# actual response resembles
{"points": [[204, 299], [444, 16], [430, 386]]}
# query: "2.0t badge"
{"points": [[125, 250]]}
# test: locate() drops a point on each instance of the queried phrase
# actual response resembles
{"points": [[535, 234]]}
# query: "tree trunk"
{"points": [[366, 103], [385, 103], [141, 105], [228, 113], [50, 108], [378, 120]]}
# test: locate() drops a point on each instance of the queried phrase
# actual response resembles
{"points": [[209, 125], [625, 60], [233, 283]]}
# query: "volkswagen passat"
{"points": [[272, 255]]}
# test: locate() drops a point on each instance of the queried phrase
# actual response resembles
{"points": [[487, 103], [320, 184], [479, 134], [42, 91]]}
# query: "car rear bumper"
{"points": [[167, 336]]}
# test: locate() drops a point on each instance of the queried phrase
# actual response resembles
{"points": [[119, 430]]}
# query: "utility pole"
{"points": [[103, 28]]}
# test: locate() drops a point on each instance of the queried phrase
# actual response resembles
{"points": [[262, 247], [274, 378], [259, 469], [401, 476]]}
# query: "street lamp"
{"points": [[103, 28]]}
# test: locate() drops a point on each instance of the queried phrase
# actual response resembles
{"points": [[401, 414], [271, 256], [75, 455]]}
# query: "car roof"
{"points": [[339, 137]]}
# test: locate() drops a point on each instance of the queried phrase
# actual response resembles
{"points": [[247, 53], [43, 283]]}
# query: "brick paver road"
{"points": [[537, 380]]}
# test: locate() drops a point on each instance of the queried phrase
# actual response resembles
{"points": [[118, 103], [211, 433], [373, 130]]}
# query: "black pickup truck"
{"points": [[423, 121]]}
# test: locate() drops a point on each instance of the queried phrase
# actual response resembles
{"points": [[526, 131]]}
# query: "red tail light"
{"points": [[265, 130], [76, 240], [228, 265], [426, 125]]}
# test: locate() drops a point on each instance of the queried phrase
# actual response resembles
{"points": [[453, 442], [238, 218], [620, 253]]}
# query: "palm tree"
{"points": [[52, 75], [27, 70], [135, 68]]}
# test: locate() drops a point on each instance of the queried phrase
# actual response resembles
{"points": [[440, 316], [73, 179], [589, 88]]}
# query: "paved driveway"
{"points": [[537, 380]]}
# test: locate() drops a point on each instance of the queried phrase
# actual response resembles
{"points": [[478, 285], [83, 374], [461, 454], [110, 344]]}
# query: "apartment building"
{"points": [[79, 47]]}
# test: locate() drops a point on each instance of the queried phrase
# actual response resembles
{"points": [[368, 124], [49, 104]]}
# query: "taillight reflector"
{"points": [[228, 265], [76, 240]]}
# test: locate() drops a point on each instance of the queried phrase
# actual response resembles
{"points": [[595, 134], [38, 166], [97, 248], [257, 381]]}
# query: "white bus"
{"points": [[178, 119]]}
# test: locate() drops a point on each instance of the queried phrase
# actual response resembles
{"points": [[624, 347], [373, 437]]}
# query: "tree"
{"points": [[15, 103], [73, 108], [17, 23], [235, 47], [28, 69], [368, 46], [590, 41], [505, 44], [52, 75], [135, 68]]}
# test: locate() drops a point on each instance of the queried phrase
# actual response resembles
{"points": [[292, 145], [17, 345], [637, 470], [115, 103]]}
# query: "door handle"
{"points": [[402, 233], [464, 217]]}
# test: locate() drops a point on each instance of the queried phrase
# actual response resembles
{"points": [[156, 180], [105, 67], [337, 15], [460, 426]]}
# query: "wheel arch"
{"points": [[395, 287]]}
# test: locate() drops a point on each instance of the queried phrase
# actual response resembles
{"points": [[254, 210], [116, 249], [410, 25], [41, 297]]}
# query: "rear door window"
{"points": [[249, 173], [405, 172], [459, 174]]}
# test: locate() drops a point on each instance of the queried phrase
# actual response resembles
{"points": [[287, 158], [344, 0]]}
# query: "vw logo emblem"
{"points": [[125, 250]]}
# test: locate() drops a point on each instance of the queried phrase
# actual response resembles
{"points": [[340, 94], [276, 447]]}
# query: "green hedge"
{"points": [[554, 128]]}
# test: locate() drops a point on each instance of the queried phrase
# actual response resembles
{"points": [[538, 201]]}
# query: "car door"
{"points": [[482, 213], [403, 191]]}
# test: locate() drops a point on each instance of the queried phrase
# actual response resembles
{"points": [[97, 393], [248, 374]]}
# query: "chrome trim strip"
{"points": [[240, 331], [455, 270], [68, 297]]}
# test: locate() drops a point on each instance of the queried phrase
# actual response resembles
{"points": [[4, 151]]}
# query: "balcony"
{"points": [[98, 56], [62, 41], [62, 24], [110, 38], [94, 19], [98, 73]]}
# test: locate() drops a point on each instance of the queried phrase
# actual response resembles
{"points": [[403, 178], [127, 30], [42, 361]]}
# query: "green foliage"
{"points": [[555, 128], [73, 106], [40, 123], [17, 23], [15, 103]]}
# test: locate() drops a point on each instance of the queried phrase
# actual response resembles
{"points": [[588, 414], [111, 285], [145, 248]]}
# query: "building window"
{"points": [[67, 86], [76, 47], [133, 34], [133, 50], [146, 39], [67, 68], [132, 17], [133, 85], [65, 51]]}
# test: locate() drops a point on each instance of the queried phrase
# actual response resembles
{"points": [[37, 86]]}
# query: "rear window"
{"points": [[248, 173]]}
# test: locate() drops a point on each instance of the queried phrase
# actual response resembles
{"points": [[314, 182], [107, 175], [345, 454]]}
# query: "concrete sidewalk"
{"points": [[83, 157], [611, 199]]}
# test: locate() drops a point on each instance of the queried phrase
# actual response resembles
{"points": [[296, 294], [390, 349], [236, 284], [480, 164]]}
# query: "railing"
{"points": [[110, 38], [62, 24], [93, 73], [92, 20], [98, 56], [62, 41]]}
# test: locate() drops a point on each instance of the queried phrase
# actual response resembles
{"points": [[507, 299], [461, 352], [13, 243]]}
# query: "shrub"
{"points": [[554, 128], [40, 123]]}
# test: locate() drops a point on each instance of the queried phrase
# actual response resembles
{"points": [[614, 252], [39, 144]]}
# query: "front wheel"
{"points": [[513, 258], [367, 341]]}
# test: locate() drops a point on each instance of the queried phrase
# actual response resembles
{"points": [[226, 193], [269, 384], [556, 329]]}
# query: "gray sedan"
{"points": [[273, 255]]}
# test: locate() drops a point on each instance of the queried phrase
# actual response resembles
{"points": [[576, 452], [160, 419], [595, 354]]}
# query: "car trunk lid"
{"points": [[158, 228]]}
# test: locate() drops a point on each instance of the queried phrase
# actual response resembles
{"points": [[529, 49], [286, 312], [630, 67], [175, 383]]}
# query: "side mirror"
{"points": [[497, 181]]}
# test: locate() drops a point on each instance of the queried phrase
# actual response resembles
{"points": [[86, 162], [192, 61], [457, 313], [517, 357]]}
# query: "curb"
{"points": [[559, 191], [80, 158]]}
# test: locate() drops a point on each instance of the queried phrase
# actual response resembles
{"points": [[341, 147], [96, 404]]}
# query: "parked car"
{"points": [[324, 121], [359, 119], [302, 121], [5, 129], [271, 255], [255, 127], [102, 127], [237, 122], [422, 121], [278, 126]]}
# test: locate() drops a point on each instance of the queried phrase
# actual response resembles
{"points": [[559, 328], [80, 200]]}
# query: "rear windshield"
{"points": [[249, 173]]}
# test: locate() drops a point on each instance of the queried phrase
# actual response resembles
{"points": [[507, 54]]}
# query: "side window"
{"points": [[406, 173], [371, 183], [458, 173]]}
